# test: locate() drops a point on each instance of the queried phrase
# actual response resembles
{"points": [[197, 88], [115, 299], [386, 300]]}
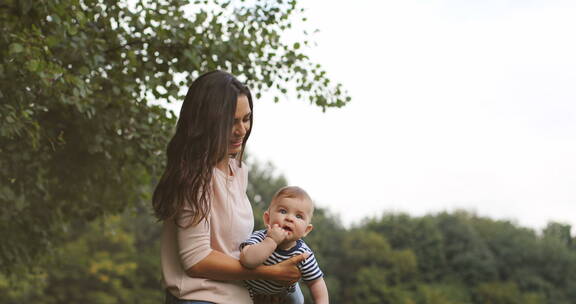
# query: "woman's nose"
{"points": [[239, 130]]}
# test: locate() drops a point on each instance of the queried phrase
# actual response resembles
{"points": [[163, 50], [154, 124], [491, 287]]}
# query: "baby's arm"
{"points": [[319, 291], [255, 254]]}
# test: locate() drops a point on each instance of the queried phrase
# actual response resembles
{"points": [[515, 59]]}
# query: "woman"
{"points": [[201, 198]]}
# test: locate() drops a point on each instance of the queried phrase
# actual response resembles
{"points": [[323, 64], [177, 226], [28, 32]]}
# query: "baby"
{"points": [[288, 221]]}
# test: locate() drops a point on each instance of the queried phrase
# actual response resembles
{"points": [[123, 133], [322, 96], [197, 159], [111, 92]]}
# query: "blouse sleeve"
{"points": [[193, 240]]}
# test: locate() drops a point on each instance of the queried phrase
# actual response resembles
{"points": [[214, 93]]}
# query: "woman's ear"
{"points": [[266, 218]]}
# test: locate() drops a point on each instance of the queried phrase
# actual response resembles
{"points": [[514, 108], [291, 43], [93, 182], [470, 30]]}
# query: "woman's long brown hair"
{"points": [[201, 140]]}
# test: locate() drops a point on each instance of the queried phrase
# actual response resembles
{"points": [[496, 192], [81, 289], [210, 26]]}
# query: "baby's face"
{"points": [[293, 215]]}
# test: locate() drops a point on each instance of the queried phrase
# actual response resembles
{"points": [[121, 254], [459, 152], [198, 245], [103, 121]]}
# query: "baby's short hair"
{"points": [[293, 192]]}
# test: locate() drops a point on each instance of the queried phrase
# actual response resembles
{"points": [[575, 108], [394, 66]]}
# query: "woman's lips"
{"points": [[236, 143]]}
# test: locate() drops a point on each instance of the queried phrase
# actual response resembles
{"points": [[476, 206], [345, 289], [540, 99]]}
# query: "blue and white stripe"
{"points": [[309, 267]]}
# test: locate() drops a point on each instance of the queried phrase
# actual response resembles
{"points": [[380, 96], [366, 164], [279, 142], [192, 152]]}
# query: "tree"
{"points": [[498, 292], [442, 294], [468, 259], [468, 256], [113, 259], [560, 232], [370, 271], [82, 131], [371, 289], [421, 235]]}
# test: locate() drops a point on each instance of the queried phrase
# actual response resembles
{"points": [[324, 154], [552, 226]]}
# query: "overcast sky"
{"points": [[456, 104]]}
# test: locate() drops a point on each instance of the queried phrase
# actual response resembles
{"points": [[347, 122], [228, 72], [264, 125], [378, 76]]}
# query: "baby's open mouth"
{"points": [[286, 228]]}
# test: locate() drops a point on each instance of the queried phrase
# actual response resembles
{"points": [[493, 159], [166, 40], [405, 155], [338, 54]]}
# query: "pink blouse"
{"points": [[230, 222]]}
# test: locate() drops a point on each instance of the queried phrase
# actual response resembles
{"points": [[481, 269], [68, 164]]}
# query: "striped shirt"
{"points": [[308, 268]]}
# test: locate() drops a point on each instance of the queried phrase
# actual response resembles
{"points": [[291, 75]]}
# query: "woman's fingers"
{"points": [[288, 271], [299, 258]]}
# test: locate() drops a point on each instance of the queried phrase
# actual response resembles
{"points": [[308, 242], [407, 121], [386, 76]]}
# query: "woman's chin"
{"points": [[234, 150]]}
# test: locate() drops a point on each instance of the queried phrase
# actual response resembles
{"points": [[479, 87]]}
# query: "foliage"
{"points": [[80, 134], [560, 232], [111, 260], [442, 294], [468, 259], [423, 236]]}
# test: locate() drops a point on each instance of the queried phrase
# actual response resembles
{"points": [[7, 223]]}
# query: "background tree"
{"points": [[421, 235], [82, 131], [560, 232]]}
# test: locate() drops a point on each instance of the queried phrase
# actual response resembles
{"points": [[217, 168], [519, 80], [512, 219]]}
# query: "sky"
{"points": [[455, 105]]}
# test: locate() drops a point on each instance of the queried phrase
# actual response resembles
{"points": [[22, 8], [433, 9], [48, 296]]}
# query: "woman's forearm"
{"points": [[254, 255], [219, 266]]}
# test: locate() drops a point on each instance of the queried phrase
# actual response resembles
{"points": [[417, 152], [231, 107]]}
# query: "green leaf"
{"points": [[25, 6], [16, 48], [72, 30], [80, 17], [32, 65], [84, 70], [52, 41]]}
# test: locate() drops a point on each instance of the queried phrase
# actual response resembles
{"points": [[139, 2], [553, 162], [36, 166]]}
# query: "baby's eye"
{"points": [[299, 216], [282, 211]]}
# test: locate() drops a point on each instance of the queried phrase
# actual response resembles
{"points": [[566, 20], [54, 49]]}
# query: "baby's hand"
{"points": [[276, 233]]}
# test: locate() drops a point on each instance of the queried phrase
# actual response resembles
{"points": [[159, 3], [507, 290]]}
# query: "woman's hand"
{"points": [[286, 272]]}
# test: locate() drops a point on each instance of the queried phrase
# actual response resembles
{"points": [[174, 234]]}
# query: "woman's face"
{"points": [[241, 125]]}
